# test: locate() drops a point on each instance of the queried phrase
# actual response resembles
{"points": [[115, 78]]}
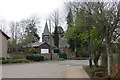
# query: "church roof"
{"points": [[46, 30]]}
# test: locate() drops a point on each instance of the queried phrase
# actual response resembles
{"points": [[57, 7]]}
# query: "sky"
{"points": [[16, 10]]}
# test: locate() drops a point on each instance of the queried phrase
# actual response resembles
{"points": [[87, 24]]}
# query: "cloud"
{"points": [[19, 9]]}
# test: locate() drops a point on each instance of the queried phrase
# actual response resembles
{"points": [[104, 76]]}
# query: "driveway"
{"points": [[46, 69]]}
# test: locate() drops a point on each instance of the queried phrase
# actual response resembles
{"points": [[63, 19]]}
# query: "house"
{"points": [[44, 49], [3, 44], [41, 47]]}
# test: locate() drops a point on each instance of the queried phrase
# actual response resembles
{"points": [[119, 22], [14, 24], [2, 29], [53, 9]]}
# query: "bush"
{"points": [[13, 57], [2, 58], [5, 61], [9, 58], [14, 61], [61, 59], [18, 57], [116, 72], [32, 50], [96, 71], [35, 57]]}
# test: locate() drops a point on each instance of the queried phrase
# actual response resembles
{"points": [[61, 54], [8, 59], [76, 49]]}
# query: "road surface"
{"points": [[46, 69]]}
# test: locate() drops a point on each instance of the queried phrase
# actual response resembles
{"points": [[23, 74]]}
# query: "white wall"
{"points": [[44, 51]]}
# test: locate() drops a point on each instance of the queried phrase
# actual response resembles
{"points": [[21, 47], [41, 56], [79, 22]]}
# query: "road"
{"points": [[46, 69]]}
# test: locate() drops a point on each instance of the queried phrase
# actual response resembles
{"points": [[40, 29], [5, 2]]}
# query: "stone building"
{"points": [[46, 37], [46, 34], [3, 44]]}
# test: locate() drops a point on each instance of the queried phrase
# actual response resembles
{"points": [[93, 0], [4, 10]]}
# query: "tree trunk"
{"points": [[109, 59], [96, 58], [104, 59]]}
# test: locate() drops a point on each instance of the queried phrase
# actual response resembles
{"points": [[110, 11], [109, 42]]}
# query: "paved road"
{"points": [[47, 69]]}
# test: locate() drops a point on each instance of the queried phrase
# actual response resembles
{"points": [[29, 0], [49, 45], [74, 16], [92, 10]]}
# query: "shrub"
{"points": [[14, 57], [15, 61], [5, 61], [18, 57], [32, 51], [61, 59], [116, 72], [99, 71], [2, 58], [35, 57], [96, 71], [9, 58]]}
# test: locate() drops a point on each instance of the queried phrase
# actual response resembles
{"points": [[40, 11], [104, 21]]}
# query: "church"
{"points": [[48, 42], [47, 45], [48, 38]]}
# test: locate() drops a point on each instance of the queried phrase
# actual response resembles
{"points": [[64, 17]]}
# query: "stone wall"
{"points": [[48, 55], [3, 46], [116, 59]]}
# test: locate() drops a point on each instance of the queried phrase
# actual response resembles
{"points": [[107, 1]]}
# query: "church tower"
{"points": [[46, 34]]}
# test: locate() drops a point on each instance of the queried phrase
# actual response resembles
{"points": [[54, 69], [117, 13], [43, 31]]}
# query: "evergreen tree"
{"points": [[70, 28], [56, 37], [69, 17]]}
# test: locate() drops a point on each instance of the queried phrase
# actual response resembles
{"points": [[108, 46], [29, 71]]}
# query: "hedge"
{"points": [[14, 61], [35, 57]]}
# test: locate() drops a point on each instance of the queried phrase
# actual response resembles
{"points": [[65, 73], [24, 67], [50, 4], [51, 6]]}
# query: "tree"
{"points": [[22, 33], [60, 32], [3, 25], [14, 29], [70, 17], [56, 37], [31, 32], [109, 18], [70, 30], [56, 20], [102, 19]]}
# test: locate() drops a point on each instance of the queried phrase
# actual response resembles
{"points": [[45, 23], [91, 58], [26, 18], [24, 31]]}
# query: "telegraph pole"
{"points": [[50, 41]]}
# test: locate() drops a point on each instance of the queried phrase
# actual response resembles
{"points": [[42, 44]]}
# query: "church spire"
{"points": [[46, 30]]}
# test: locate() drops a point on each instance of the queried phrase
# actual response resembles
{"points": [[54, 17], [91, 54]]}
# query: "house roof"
{"points": [[36, 44], [4, 34], [46, 30]]}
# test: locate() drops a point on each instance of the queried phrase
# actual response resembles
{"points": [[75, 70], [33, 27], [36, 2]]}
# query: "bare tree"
{"points": [[3, 25], [14, 30], [55, 17]]}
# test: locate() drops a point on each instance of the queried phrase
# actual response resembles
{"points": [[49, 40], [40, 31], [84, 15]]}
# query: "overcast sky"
{"points": [[16, 10]]}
